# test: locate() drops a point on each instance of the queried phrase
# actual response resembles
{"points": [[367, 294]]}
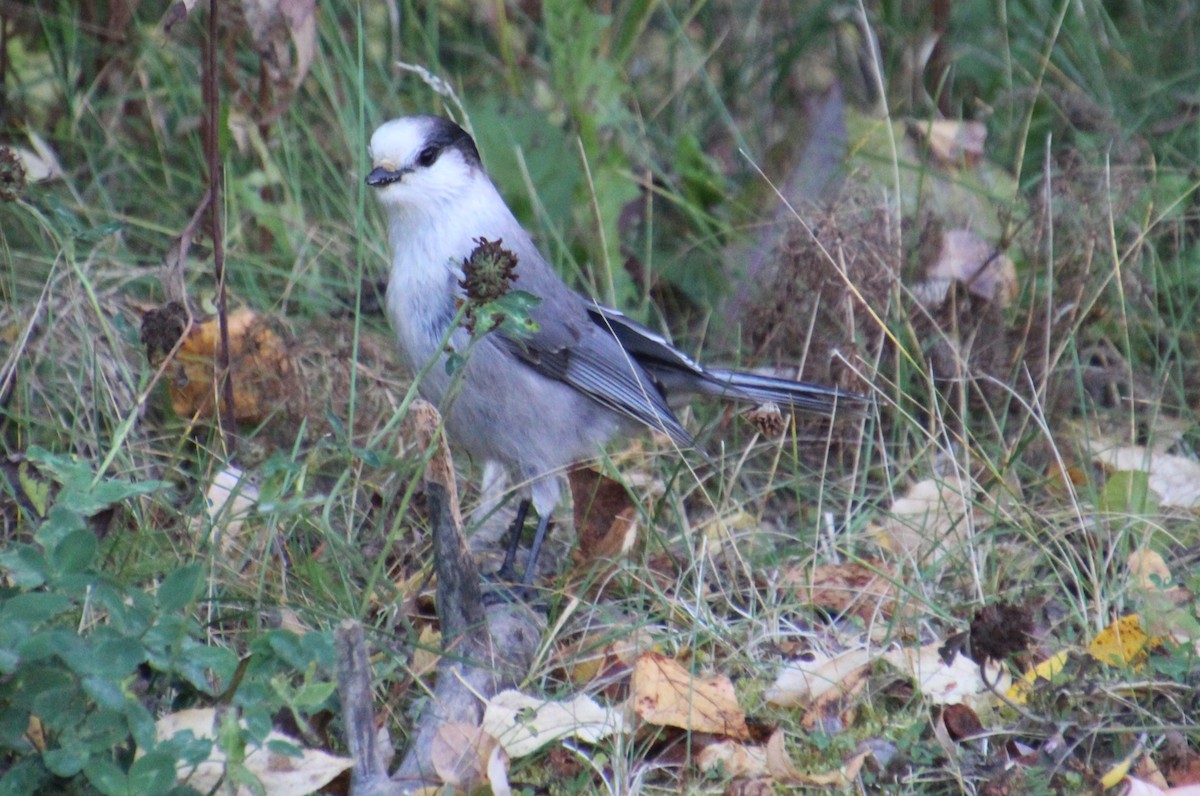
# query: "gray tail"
{"points": [[742, 386]]}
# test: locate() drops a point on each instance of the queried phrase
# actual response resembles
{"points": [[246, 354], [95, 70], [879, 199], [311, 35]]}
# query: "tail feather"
{"points": [[743, 386]]}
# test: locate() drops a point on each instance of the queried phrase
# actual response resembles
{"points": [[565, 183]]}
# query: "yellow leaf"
{"points": [[1019, 692], [1123, 643], [664, 692]]}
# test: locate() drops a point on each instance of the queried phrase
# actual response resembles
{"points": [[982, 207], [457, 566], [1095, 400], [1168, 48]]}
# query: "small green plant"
{"points": [[86, 661]]}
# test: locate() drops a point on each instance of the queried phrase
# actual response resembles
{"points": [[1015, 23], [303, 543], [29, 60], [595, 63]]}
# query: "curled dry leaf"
{"points": [[932, 518], [785, 772], [605, 516], [272, 24], [735, 758], [802, 682], [522, 724], [960, 681], [460, 754], [497, 772], [280, 774], [863, 589], [600, 654], [953, 142], [663, 692], [264, 375], [967, 258], [229, 500]]}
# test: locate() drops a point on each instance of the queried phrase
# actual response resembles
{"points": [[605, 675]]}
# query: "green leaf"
{"points": [[104, 692], [26, 566], [35, 486], [108, 778], [60, 523], [313, 695], [74, 554], [181, 588], [153, 772], [65, 762], [33, 608]]}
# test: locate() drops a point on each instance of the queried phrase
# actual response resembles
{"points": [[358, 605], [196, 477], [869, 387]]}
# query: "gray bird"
{"points": [[532, 405]]}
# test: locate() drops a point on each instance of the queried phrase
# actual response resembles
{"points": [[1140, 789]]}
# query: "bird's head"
{"points": [[422, 163]]}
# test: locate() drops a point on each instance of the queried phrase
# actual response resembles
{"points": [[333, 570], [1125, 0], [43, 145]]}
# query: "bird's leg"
{"points": [[538, 537], [507, 570]]}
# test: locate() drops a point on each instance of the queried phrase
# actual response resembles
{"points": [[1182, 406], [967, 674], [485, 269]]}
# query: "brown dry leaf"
{"points": [[961, 722], [735, 758], [802, 682], [1146, 769], [1173, 478], [605, 516], [1149, 570], [280, 775], [600, 654], [272, 24], [835, 710], [460, 754], [757, 786], [784, 771], [960, 681], [522, 724], [984, 270], [953, 142], [862, 589], [425, 654], [264, 376], [932, 518], [663, 692]]}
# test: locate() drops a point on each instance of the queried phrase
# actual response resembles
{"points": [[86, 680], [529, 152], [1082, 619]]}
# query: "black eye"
{"points": [[428, 155]]}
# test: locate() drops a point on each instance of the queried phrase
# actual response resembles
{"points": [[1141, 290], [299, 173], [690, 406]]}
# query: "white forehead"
{"points": [[399, 140]]}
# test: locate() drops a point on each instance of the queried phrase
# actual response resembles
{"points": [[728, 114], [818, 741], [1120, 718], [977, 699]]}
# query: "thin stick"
{"points": [[212, 101]]}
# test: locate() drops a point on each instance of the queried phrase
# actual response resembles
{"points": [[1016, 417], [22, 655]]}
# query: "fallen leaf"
{"points": [[280, 774], [264, 375], [785, 772], [605, 516], [985, 270], [522, 724], [1122, 643], [1173, 478], [426, 653], [497, 772], [862, 589], [229, 500], [953, 142], [1139, 787], [961, 723], [1046, 670], [460, 754], [663, 692], [959, 681], [931, 519], [735, 758], [804, 681]]}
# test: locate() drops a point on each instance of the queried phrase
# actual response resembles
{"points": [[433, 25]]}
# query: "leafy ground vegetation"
{"points": [[983, 215]]}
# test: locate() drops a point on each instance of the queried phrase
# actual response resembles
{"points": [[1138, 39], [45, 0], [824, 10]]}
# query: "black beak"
{"points": [[380, 176]]}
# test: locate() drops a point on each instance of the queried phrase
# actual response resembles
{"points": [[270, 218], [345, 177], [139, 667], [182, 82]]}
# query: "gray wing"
{"points": [[569, 347]]}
